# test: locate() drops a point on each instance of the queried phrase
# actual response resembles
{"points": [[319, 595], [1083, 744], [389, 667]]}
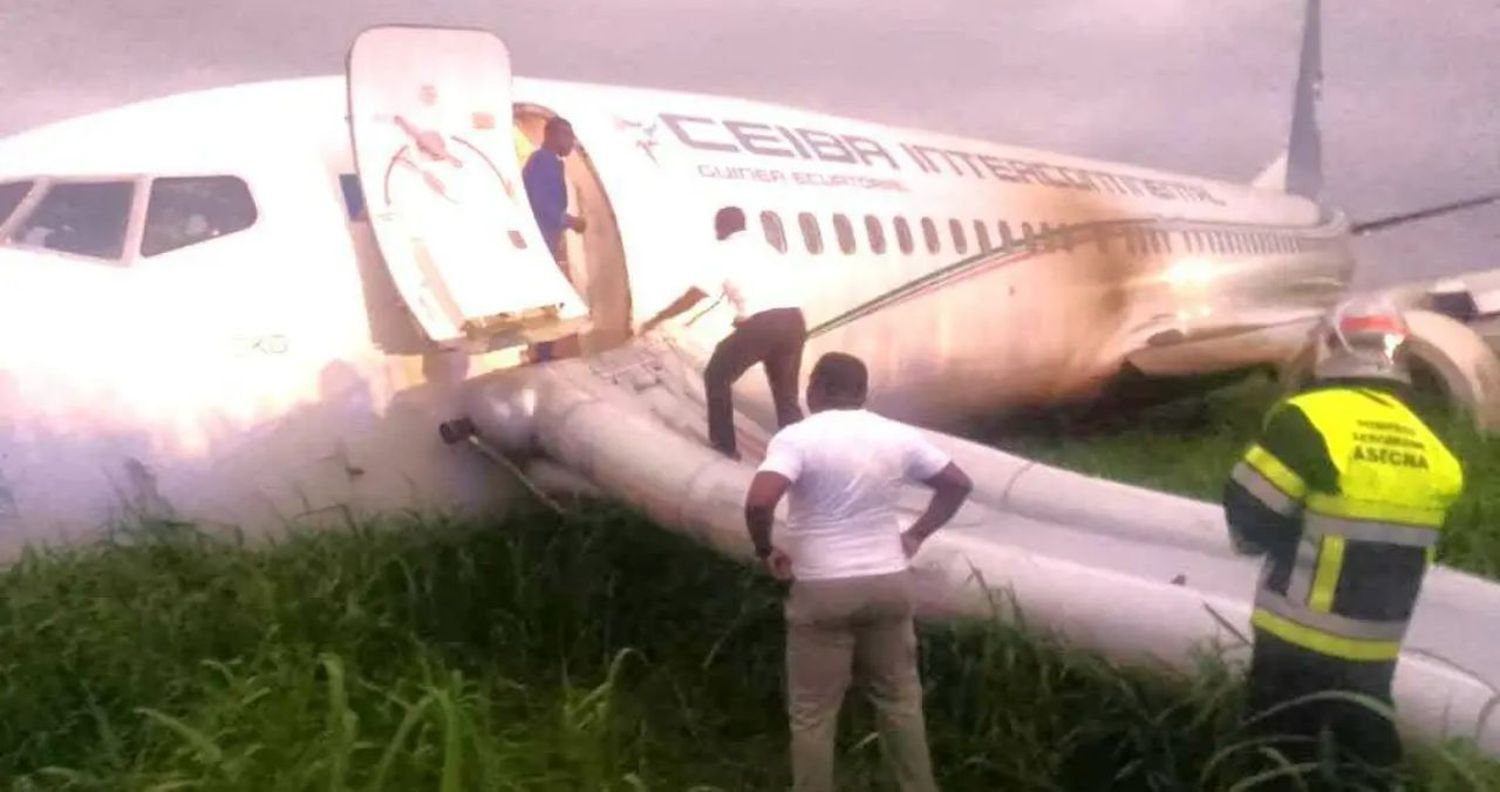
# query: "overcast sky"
{"points": [[1411, 110]]}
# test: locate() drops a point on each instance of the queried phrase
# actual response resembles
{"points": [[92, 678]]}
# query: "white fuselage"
{"points": [[273, 373]]}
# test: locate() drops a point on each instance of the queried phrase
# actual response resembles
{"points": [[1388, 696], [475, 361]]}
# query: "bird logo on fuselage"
{"points": [[645, 135]]}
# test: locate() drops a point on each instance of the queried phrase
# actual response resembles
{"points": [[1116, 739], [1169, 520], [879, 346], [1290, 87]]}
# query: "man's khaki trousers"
{"points": [[863, 626]]}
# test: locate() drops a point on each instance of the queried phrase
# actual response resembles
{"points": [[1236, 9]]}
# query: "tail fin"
{"points": [[1299, 169], [1304, 161]]}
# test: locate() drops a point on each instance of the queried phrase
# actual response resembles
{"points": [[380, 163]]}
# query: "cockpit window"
{"points": [[83, 218], [11, 196], [188, 210]]}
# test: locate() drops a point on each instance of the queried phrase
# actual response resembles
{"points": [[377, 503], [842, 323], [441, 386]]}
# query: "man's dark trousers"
{"points": [[772, 338], [1281, 672]]}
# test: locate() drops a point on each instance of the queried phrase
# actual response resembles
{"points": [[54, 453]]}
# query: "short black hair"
{"points": [[556, 122], [841, 376], [728, 220]]}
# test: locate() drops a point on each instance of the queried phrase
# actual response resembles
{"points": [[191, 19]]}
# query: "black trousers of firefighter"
{"points": [[1282, 672], [772, 338]]}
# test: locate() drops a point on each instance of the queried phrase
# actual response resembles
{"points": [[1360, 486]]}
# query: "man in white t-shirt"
{"points": [[851, 597], [768, 327]]}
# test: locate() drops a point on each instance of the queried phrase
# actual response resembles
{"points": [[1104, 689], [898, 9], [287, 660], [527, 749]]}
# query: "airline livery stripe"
{"points": [[961, 268], [968, 267]]}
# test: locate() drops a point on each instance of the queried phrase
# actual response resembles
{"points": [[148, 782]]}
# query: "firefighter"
{"points": [[1344, 492]]}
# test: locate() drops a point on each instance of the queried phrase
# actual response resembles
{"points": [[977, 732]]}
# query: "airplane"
{"points": [[283, 303], [208, 307], [211, 310]]}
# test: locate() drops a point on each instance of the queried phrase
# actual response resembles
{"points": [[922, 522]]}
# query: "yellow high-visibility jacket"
{"points": [[1345, 492]]}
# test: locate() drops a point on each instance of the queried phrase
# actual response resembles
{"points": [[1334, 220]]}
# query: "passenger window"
{"points": [[982, 236], [876, 232], [87, 219], [1029, 237], [1006, 240], [1051, 238], [1102, 235], [903, 236], [1065, 235], [770, 223], [960, 242], [1044, 237], [186, 211], [812, 234], [11, 196], [930, 235], [844, 230]]}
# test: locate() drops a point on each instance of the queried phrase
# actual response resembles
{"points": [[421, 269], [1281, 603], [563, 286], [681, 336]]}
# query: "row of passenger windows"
{"points": [[93, 218], [959, 235]]}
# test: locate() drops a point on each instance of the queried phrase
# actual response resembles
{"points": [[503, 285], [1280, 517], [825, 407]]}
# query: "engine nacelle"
{"points": [[1460, 361], [1446, 355]]}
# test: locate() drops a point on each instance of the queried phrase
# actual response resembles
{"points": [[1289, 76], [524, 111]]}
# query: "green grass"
{"points": [[593, 652], [1188, 445]]}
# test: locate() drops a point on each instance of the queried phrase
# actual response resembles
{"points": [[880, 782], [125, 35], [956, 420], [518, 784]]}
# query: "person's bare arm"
{"points": [[688, 299], [766, 490], [951, 487]]}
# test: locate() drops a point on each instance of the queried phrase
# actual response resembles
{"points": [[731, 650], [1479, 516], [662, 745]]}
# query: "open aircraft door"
{"points": [[430, 117]]}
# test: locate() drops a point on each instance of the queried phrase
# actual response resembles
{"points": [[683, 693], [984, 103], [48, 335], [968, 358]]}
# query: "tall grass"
{"points": [[589, 652], [1188, 446]]}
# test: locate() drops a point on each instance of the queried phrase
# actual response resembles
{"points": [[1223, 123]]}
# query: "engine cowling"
{"points": [[1445, 355]]}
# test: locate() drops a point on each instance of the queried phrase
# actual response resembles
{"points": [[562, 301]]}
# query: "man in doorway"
{"points": [[768, 328], [547, 189], [851, 599]]}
